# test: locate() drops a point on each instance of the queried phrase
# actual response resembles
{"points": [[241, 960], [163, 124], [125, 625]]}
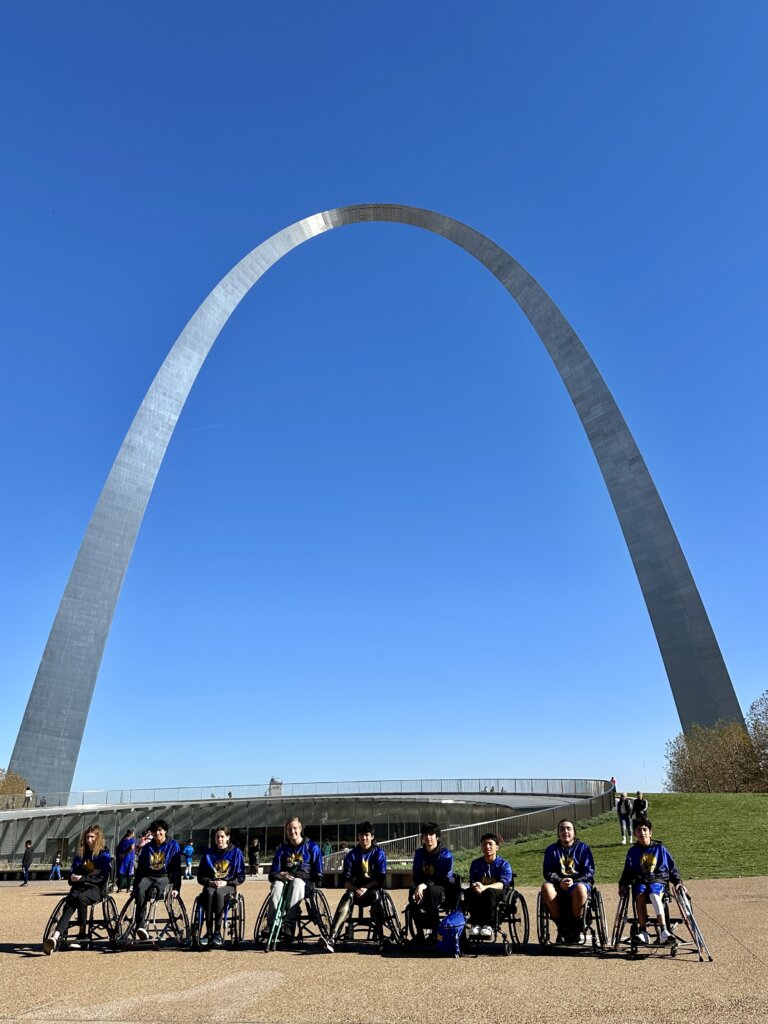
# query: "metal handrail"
{"points": [[277, 790], [515, 826]]}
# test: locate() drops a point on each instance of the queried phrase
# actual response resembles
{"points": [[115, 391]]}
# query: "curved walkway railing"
{"points": [[275, 788], [516, 826]]}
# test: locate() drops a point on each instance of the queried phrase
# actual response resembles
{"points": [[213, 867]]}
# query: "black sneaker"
{"points": [[203, 941], [217, 940]]}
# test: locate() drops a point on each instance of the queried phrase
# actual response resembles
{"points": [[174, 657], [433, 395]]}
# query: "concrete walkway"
{"points": [[364, 988]]}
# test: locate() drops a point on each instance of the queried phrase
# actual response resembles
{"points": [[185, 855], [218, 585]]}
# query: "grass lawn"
{"points": [[710, 835]]}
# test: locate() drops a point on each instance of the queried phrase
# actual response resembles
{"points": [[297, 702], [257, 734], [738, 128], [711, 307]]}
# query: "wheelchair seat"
{"points": [[361, 926], [510, 924], [452, 902], [678, 915], [313, 922], [232, 921], [165, 919], [101, 928], [591, 928]]}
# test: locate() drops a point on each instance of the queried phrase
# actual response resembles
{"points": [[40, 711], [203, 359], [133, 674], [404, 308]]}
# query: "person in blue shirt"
{"points": [[189, 853], [88, 879], [159, 865], [365, 874], [126, 858], [433, 882], [648, 869], [489, 876], [297, 862], [221, 870], [569, 873]]}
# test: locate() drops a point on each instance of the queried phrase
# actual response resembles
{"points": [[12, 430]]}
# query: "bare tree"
{"points": [[725, 758]]}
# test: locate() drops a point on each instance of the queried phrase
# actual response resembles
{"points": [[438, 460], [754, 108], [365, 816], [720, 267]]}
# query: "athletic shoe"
{"points": [[217, 940], [203, 941], [328, 943], [643, 938], [623, 840], [74, 944], [581, 938], [486, 932], [664, 936], [474, 931], [142, 934], [49, 946]]}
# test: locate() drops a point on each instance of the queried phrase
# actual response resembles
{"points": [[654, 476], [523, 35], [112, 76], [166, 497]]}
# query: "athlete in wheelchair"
{"points": [[89, 885], [566, 897], [651, 876], [157, 881], [296, 876], [365, 878], [492, 903], [434, 886], [219, 905]]}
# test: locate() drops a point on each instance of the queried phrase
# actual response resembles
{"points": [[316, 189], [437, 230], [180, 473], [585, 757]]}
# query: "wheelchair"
{"points": [[232, 921], [165, 919], [313, 921], [361, 927], [452, 902], [510, 924], [626, 916], [591, 927], [98, 929]]}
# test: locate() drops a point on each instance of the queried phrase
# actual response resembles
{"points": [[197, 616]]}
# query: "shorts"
{"points": [[643, 887]]}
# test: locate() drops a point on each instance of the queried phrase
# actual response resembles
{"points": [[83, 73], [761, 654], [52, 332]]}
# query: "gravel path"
{"points": [[364, 988]]}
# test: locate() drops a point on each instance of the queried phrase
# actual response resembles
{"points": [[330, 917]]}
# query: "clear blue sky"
{"points": [[379, 504]]}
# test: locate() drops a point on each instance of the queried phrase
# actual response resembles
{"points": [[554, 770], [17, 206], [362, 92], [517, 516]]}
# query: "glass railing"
{"points": [[580, 788]]}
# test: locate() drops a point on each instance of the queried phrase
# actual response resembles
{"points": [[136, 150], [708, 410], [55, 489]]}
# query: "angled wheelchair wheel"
{"points": [[319, 917], [542, 922], [178, 921], [620, 921], [390, 920], [125, 922], [599, 928], [261, 932], [53, 920], [518, 922], [234, 920], [196, 923], [111, 919]]}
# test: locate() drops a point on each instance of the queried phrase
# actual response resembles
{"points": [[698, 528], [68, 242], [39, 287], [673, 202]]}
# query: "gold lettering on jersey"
{"points": [[156, 860], [221, 869], [89, 866], [364, 866], [648, 863], [566, 865]]}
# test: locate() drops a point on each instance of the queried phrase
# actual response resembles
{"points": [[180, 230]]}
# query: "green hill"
{"points": [[710, 835]]}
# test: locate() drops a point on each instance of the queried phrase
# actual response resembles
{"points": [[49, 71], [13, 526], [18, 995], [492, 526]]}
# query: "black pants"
{"points": [[426, 911], [141, 891], [213, 900], [482, 905], [78, 902]]}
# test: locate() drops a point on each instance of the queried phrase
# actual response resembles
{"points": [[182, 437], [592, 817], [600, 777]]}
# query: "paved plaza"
{"points": [[364, 988]]}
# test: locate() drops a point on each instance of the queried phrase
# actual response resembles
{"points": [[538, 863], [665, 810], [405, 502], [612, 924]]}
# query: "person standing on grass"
{"points": [[624, 811]]}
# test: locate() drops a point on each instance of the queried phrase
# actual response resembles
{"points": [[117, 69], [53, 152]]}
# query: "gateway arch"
{"points": [[51, 732]]}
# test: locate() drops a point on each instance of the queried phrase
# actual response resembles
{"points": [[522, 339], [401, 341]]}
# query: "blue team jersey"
{"points": [[499, 870], [303, 861], [574, 862], [648, 864], [222, 866], [156, 861], [126, 856], [433, 867], [93, 870], [365, 867]]}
